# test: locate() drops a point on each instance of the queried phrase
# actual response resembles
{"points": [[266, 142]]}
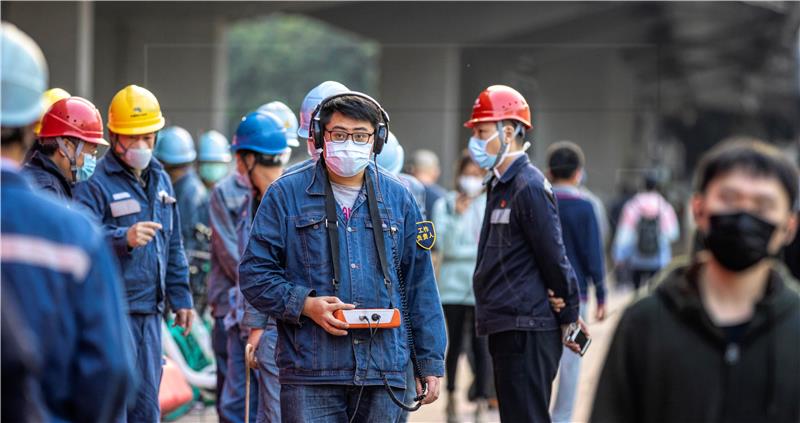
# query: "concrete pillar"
{"points": [[84, 65], [52, 26], [419, 88], [219, 89]]}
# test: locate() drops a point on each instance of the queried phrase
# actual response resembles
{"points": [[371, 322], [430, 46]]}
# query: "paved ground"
{"points": [[590, 371]]}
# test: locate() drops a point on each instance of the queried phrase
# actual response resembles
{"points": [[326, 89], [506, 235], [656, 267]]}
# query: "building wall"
{"points": [[584, 94]]}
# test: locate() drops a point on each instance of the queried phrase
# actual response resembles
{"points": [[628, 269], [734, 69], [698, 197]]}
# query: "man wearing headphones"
{"points": [[312, 255]]}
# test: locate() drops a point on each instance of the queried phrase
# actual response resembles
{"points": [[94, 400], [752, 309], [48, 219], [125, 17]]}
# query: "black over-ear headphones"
{"points": [[381, 132]]}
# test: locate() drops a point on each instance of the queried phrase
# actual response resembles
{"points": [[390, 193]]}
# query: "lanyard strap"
{"points": [[332, 225], [377, 232]]}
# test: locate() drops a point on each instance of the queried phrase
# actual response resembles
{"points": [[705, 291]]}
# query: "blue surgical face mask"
{"points": [[347, 158], [477, 149], [213, 172], [87, 170]]}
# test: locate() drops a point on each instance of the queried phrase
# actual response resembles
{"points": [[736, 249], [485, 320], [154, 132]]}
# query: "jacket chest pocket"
{"points": [[168, 212], [312, 235], [499, 235]]}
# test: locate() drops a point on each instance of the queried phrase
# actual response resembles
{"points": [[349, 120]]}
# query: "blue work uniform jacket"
{"points": [[57, 265], [159, 268], [192, 199], [225, 206], [288, 259], [521, 255], [45, 175]]}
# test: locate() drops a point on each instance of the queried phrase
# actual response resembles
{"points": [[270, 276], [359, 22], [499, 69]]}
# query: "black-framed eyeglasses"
{"points": [[337, 136]]}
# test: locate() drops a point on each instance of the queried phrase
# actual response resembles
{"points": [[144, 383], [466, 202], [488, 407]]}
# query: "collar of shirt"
{"points": [[46, 163], [567, 189], [515, 167]]}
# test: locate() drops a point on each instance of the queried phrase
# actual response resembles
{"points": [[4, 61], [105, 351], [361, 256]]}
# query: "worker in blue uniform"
{"points": [[61, 290], [132, 196], [263, 146], [300, 266], [521, 256], [70, 137], [213, 158], [175, 150]]}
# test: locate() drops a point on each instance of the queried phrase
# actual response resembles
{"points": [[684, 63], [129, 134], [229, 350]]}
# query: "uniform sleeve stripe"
{"points": [[40, 252]]}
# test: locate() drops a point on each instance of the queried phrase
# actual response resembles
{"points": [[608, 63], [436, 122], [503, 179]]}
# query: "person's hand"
{"points": [[462, 202], [574, 345], [140, 233], [433, 389], [251, 347], [556, 303], [183, 318], [320, 310], [600, 313]]}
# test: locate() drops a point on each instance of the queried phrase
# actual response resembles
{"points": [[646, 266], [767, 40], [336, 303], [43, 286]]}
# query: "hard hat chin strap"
{"points": [[503, 154], [503, 145], [73, 159]]}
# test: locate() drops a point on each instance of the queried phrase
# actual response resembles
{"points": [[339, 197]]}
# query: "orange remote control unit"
{"points": [[366, 318]]}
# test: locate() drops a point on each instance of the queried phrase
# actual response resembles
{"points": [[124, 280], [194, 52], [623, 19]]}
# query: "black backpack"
{"points": [[648, 235]]}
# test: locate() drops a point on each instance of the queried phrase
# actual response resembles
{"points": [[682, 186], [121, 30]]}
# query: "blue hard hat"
{"points": [[214, 148], [261, 132], [286, 115], [23, 78], [392, 155], [313, 98], [175, 146]]}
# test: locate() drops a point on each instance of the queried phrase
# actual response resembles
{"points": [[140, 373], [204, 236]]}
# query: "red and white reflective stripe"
{"points": [[40, 252]]}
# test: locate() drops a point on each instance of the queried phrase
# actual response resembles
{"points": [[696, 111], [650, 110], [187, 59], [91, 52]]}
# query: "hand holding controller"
{"points": [[321, 309]]}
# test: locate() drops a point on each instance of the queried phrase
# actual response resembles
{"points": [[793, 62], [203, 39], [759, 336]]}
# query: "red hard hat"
{"points": [[500, 102], [73, 117]]}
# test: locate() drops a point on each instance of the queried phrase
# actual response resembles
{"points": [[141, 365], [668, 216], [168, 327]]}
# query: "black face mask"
{"points": [[738, 240]]}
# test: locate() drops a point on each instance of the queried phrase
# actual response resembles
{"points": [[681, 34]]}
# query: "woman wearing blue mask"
{"points": [[69, 140]]}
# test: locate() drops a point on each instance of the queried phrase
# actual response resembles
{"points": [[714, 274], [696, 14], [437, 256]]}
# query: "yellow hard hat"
{"points": [[48, 99], [134, 111]]}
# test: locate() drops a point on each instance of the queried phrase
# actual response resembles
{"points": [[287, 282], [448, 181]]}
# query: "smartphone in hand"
{"points": [[576, 335]]}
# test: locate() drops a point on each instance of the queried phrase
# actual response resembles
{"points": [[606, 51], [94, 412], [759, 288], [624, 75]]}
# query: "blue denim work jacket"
{"points": [[288, 258], [158, 270]]}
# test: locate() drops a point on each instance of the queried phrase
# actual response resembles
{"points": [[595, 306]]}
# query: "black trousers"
{"points": [[525, 365], [642, 277], [460, 330]]}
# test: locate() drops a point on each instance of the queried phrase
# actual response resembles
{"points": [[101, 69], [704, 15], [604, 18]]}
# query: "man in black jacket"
{"points": [[719, 339]]}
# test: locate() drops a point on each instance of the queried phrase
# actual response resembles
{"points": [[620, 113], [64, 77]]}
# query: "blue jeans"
{"points": [[219, 343], [269, 388], [568, 381], [337, 403], [146, 336], [233, 394], [411, 392]]}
